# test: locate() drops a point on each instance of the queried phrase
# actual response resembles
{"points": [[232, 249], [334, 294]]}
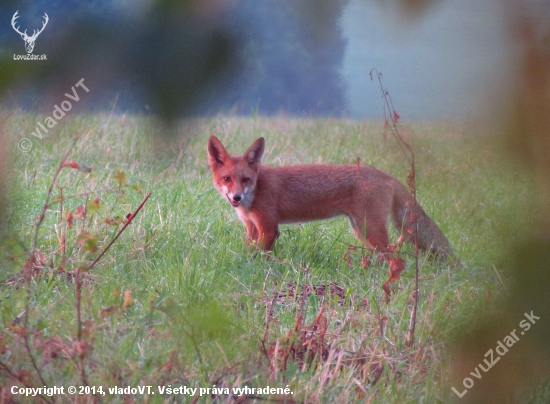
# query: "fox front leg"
{"points": [[251, 232], [268, 236]]}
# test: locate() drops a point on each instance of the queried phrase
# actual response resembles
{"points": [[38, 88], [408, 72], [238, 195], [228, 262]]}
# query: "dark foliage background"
{"points": [[180, 57]]}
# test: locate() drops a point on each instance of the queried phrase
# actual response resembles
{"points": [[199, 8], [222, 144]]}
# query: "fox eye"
{"points": [[245, 180], [226, 179]]}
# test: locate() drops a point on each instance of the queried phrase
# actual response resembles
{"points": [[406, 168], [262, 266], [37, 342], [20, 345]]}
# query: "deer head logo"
{"points": [[29, 40]]}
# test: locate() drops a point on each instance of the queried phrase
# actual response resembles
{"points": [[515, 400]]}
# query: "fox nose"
{"points": [[237, 197]]}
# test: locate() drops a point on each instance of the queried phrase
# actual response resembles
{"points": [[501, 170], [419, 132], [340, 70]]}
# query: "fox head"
{"points": [[235, 177]]}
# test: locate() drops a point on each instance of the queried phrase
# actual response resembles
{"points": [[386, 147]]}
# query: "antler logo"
{"points": [[29, 40]]}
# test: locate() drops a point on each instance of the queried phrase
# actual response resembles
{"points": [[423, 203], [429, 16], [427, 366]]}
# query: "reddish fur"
{"points": [[313, 192]]}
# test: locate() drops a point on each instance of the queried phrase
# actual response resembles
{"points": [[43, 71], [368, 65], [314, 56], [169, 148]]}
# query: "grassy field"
{"points": [[177, 301]]}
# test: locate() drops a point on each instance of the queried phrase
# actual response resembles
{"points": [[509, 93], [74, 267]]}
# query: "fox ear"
{"points": [[217, 155], [253, 155]]}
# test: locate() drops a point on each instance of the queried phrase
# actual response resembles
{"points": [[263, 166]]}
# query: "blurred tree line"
{"points": [[181, 57], [288, 65]]}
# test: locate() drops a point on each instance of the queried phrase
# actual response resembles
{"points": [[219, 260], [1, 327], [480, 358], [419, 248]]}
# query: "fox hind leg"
{"points": [[369, 219], [373, 235]]}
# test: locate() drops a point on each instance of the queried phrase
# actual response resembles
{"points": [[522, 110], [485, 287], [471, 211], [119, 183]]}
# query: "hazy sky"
{"points": [[441, 65]]}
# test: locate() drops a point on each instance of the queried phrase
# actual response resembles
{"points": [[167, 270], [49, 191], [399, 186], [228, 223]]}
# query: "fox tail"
{"points": [[430, 238]]}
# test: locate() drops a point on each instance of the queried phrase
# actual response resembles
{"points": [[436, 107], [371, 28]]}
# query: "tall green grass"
{"points": [[199, 299]]}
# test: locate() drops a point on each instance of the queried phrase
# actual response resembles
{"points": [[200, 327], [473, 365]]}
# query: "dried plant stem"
{"points": [[130, 218], [47, 201], [10, 373], [391, 117], [32, 262], [80, 346]]}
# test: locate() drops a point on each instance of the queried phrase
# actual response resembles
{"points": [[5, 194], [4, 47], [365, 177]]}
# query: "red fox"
{"points": [[265, 196]]}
